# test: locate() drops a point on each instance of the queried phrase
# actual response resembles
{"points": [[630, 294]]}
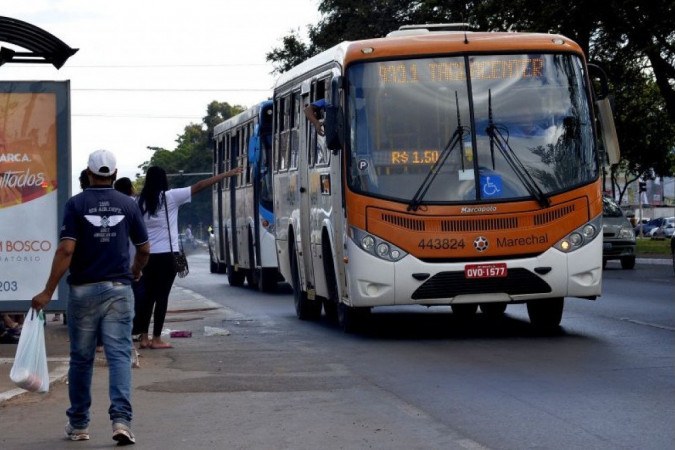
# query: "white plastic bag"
{"points": [[30, 370]]}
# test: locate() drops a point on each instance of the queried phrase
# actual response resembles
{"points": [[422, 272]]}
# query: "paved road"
{"points": [[417, 379]]}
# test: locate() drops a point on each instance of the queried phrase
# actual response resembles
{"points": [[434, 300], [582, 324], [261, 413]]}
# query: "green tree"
{"points": [[193, 155], [632, 39]]}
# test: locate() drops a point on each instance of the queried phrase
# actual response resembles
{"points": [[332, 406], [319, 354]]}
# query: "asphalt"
{"points": [[184, 306]]}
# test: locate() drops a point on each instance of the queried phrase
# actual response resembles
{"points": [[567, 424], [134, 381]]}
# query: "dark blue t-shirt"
{"points": [[102, 221]]}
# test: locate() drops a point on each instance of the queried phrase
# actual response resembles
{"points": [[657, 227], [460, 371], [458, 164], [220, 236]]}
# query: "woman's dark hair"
{"points": [[156, 182]]}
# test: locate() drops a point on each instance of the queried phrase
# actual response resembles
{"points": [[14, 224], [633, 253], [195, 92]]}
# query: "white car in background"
{"points": [[665, 231]]}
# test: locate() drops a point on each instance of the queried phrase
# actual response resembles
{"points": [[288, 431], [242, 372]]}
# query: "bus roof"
{"points": [[432, 43], [241, 117]]}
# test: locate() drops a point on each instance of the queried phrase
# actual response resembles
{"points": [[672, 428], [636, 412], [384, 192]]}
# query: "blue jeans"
{"points": [[105, 309]]}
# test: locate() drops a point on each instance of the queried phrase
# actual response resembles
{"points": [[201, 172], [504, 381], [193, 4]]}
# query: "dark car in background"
{"points": [[618, 241]]}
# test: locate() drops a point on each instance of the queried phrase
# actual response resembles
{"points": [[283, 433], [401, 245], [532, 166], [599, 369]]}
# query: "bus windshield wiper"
{"points": [[456, 138], [453, 142], [496, 137]]}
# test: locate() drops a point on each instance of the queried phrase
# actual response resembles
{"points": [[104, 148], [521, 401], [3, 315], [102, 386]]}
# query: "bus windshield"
{"points": [[488, 128]]}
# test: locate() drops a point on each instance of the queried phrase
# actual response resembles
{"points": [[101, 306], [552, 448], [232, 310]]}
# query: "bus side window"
{"points": [[294, 125], [228, 157], [283, 133], [318, 150], [278, 125], [241, 160], [234, 153], [220, 160], [244, 153]]}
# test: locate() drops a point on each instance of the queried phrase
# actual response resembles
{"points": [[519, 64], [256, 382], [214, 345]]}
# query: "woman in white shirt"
{"points": [[159, 273]]}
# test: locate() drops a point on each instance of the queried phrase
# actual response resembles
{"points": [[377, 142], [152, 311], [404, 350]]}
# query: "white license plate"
{"points": [[496, 270]]}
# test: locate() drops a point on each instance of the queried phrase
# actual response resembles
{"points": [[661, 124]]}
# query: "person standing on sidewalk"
{"points": [[159, 205], [125, 186], [97, 226]]}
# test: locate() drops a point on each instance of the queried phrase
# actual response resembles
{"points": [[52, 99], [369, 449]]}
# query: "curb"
{"points": [[56, 375], [654, 261]]}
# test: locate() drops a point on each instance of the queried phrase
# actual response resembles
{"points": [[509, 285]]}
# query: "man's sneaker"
{"points": [[122, 434], [77, 434]]}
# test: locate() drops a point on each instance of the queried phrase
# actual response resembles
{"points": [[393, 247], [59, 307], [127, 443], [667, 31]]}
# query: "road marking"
{"points": [[653, 325]]}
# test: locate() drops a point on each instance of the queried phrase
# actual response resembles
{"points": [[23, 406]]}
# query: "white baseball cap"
{"points": [[102, 163]]}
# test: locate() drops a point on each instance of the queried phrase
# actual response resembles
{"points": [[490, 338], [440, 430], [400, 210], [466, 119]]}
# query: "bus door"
{"points": [[319, 188], [304, 187]]}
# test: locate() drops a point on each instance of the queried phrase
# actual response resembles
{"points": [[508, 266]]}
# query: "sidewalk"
{"points": [[183, 304]]}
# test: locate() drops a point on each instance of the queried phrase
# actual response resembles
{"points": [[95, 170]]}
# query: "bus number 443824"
{"points": [[441, 244]]}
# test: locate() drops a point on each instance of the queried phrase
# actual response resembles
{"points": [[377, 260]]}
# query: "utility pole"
{"points": [[642, 187]]}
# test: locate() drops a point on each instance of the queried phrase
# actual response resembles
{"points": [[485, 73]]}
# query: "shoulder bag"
{"points": [[180, 262]]}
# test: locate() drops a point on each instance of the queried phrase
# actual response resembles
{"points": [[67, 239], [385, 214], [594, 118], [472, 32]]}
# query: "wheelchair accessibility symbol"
{"points": [[491, 186]]}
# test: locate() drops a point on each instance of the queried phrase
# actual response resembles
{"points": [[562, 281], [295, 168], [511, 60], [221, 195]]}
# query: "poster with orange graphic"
{"points": [[29, 181]]}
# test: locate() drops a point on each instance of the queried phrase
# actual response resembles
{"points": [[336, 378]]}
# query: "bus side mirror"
{"points": [[333, 126], [608, 135]]}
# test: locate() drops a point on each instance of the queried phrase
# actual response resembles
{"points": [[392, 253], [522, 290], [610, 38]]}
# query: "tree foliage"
{"points": [[633, 40], [193, 155]]}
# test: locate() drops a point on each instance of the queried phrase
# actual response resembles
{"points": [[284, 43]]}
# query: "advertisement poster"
{"points": [[28, 192]]}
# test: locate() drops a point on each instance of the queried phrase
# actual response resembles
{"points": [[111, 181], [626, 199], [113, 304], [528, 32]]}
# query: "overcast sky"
{"points": [[146, 69]]}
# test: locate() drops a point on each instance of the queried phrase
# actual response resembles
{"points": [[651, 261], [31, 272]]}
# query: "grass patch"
{"points": [[648, 246]]}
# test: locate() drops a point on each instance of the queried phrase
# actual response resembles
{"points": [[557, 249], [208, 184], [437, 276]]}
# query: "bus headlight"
{"points": [[580, 237], [576, 239], [382, 250], [368, 243], [376, 246]]}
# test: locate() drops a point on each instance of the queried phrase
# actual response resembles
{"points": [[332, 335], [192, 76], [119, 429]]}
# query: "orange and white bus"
{"points": [[457, 168]]}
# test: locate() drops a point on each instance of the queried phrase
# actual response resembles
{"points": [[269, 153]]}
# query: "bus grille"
{"points": [[486, 224], [475, 224], [450, 284], [555, 214], [404, 222]]}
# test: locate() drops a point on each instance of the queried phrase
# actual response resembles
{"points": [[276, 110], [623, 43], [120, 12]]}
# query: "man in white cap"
{"points": [[97, 226]]}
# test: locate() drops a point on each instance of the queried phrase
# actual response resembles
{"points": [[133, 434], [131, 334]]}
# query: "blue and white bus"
{"points": [[242, 242]]}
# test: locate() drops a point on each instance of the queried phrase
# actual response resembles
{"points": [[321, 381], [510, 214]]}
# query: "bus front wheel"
{"points": [[546, 314]]}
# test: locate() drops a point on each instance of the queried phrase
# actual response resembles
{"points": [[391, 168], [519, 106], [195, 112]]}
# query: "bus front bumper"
{"points": [[375, 282]]}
